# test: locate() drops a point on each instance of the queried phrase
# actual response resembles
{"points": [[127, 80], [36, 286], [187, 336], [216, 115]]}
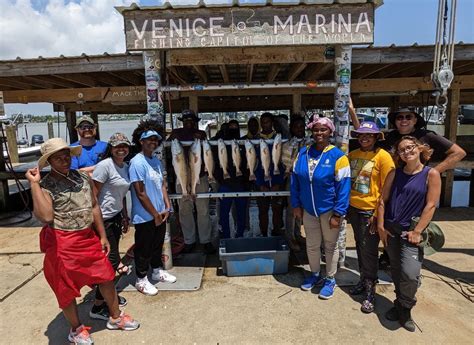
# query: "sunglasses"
{"points": [[86, 127], [406, 150], [404, 117]]}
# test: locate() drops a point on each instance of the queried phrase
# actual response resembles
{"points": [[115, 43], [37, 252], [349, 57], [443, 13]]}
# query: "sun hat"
{"points": [[51, 146], [321, 120], [150, 133], [188, 114], [85, 118], [420, 123], [432, 238], [368, 127], [119, 138]]}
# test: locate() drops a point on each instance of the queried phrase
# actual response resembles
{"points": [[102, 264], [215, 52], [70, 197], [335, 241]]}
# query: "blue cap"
{"points": [[150, 133]]}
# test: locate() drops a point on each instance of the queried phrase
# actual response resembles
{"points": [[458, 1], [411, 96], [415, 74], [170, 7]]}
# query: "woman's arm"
{"points": [[387, 187], [146, 202], [166, 199], [43, 204], [295, 193], [353, 114], [97, 188], [98, 221], [432, 199]]}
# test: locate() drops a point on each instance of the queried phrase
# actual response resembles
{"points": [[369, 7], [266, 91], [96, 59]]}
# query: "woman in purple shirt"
{"points": [[412, 190]]}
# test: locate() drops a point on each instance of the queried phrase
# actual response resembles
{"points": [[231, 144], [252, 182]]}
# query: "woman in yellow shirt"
{"points": [[370, 166]]}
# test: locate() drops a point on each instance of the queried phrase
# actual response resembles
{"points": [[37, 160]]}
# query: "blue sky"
{"points": [[401, 22]]}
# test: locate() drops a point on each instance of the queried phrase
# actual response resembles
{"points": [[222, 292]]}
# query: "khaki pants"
{"points": [[317, 231], [186, 216]]}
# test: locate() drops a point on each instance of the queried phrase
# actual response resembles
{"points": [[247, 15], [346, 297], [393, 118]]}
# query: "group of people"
{"points": [[380, 188]]}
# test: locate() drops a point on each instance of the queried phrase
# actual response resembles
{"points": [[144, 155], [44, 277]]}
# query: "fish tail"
{"points": [[252, 177], [267, 178], [238, 173], [211, 179], [226, 175]]}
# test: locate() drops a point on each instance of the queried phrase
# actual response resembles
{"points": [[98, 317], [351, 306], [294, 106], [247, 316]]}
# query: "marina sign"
{"points": [[248, 26]]}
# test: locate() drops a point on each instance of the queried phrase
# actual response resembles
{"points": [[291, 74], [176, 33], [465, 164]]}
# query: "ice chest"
{"points": [[254, 256]]}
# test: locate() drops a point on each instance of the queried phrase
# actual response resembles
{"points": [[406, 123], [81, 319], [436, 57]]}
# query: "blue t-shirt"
{"points": [[90, 155], [148, 171]]}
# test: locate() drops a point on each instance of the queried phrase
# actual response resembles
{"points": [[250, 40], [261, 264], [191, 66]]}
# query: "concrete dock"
{"points": [[247, 310]]}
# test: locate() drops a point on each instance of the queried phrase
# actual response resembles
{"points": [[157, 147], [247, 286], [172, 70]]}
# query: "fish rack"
{"points": [[227, 142], [232, 195]]}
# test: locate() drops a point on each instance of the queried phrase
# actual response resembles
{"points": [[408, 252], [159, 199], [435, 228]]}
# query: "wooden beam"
{"points": [[128, 78], [224, 73], [71, 124], [466, 67], [194, 103], [296, 103], [295, 71], [106, 108], [315, 72], [174, 72], [201, 71], [249, 73], [397, 69], [273, 72], [108, 79], [370, 71], [14, 84], [245, 56], [80, 79]]}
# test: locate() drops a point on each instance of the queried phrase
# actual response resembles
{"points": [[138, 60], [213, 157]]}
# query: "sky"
{"points": [[32, 28]]}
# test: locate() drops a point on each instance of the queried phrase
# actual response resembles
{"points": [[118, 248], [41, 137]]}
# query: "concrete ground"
{"points": [[249, 310]]}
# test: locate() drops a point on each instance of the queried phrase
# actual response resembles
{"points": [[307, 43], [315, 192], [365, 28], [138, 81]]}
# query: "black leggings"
{"points": [[149, 240], [113, 230]]}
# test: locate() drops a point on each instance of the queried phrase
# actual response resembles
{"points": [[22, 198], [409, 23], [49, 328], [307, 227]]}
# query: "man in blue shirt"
{"points": [[92, 148]]}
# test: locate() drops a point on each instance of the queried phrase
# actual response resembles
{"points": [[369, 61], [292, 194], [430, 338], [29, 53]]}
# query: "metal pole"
{"points": [[232, 195], [342, 95], [249, 86]]}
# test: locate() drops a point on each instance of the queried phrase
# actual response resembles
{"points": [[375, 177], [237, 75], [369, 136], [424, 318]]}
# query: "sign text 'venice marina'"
{"points": [[256, 26]]}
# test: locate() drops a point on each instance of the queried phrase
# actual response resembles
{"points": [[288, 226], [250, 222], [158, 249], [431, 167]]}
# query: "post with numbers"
{"points": [[342, 94]]}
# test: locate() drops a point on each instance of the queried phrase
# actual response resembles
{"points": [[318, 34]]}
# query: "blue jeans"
{"points": [[225, 206]]}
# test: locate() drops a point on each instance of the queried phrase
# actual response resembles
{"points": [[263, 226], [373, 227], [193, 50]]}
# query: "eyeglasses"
{"points": [[86, 127], [406, 150], [404, 117]]}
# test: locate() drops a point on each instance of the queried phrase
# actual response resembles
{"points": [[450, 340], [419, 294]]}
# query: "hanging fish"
{"points": [[195, 162], [251, 156], [276, 154], [223, 157], [236, 157], [292, 147], [208, 160], [265, 158], [179, 165]]}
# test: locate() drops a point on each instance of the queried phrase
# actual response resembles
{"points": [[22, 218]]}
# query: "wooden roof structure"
{"points": [[114, 83]]}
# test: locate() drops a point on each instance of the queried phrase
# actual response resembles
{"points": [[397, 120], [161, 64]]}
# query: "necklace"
{"points": [[416, 170]]}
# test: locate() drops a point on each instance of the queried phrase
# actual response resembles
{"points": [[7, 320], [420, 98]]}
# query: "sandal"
{"points": [[124, 269]]}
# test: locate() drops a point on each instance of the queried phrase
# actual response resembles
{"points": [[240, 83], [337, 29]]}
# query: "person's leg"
{"points": [[186, 218], [225, 205], [143, 249], [393, 250], [313, 232], [202, 211], [330, 237], [277, 211], [263, 204], [71, 315], [341, 244], [411, 258], [241, 208], [157, 246], [110, 295], [369, 248], [353, 218]]}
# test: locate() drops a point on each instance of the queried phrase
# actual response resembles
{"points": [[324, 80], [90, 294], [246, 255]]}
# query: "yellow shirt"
{"points": [[368, 173]]}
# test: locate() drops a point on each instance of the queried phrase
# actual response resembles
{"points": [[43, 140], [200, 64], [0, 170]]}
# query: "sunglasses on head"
{"points": [[404, 117], [86, 127]]}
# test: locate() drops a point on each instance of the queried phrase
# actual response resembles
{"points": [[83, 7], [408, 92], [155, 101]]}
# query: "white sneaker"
{"points": [[162, 275], [145, 287]]}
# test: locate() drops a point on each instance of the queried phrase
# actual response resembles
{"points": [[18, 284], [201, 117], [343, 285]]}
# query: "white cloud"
{"points": [[59, 27]]}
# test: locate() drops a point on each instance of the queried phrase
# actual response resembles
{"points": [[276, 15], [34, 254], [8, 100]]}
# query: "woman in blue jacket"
{"points": [[320, 191]]}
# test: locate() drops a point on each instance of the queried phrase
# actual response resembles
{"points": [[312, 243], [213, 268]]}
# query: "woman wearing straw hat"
{"points": [[73, 238], [320, 188], [412, 190], [370, 166]]}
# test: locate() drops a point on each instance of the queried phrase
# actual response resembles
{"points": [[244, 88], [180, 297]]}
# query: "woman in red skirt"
{"points": [[73, 238]]}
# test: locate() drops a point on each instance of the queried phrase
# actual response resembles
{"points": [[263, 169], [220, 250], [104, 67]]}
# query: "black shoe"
{"points": [[393, 314], [406, 321], [358, 289], [209, 248], [188, 248], [100, 312], [384, 261], [122, 301]]}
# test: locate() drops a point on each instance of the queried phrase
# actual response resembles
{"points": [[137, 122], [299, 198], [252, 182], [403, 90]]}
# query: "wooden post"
{"points": [[12, 144], [296, 106], [342, 94], [152, 62], [4, 193], [450, 132], [50, 130], [194, 103], [71, 125], [95, 117]]}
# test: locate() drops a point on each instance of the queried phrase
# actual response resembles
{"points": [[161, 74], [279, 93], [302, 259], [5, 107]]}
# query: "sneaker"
{"points": [[368, 305], [122, 301], [162, 275], [124, 323], [81, 336], [145, 287], [358, 289], [99, 312], [406, 321], [328, 288], [311, 281]]}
